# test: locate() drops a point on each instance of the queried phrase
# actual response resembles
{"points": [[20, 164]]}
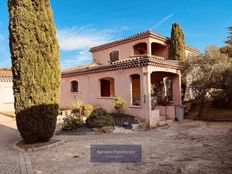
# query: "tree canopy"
{"points": [[210, 73]]}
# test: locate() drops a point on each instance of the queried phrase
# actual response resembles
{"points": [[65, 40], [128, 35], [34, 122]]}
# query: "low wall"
{"points": [[154, 118], [168, 112]]}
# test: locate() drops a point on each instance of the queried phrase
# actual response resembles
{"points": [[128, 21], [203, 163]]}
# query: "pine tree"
{"points": [[177, 45], [36, 68], [229, 38]]}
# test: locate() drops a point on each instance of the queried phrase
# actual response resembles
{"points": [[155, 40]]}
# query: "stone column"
{"points": [[176, 85], [147, 94], [149, 51]]}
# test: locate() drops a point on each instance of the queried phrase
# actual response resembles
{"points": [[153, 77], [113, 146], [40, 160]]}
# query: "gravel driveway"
{"points": [[187, 147]]}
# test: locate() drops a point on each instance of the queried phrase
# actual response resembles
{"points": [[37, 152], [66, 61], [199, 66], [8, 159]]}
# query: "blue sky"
{"points": [[83, 24]]}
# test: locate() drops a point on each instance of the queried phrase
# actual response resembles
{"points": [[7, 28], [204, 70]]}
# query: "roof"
{"points": [[141, 35], [82, 67], [125, 64], [5, 75]]}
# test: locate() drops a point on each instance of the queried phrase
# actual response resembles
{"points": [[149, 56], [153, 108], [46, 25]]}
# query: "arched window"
{"points": [[107, 87], [135, 90], [140, 48], [74, 86], [114, 56]]}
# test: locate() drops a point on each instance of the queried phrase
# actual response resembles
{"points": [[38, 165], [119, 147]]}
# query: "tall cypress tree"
{"points": [[177, 45], [36, 68]]}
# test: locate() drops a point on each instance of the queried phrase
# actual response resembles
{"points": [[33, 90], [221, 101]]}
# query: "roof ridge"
{"points": [[137, 35]]}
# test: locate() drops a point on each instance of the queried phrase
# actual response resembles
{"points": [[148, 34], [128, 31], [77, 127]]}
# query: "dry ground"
{"points": [[188, 147]]}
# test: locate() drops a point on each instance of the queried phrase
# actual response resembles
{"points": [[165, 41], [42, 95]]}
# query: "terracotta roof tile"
{"points": [[82, 67], [5, 75], [127, 63]]}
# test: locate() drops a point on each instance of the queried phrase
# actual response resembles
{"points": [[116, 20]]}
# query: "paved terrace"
{"points": [[190, 147], [12, 159]]}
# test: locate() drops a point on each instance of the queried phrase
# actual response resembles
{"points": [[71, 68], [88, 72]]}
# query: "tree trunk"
{"points": [[202, 104]]}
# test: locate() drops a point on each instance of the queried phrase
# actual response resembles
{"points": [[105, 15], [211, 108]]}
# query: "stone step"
{"points": [[139, 127], [170, 120], [162, 123], [165, 122]]}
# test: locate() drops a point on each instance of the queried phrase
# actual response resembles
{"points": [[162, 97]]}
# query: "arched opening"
{"points": [[74, 87], [114, 56], [162, 88], [160, 50], [107, 87], [140, 48], [135, 90]]}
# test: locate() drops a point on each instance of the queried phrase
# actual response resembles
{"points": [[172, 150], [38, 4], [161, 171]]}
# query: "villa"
{"points": [[135, 68]]}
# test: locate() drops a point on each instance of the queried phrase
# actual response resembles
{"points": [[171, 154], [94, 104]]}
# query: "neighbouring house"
{"points": [[6, 91], [137, 69]]}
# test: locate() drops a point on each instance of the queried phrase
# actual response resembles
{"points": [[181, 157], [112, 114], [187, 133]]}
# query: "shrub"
{"points": [[84, 110], [99, 118], [72, 121], [87, 109], [118, 103], [77, 106], [124, 120]]}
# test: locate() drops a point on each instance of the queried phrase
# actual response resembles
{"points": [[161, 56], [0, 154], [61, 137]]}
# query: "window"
{"points": [[8, 95], [114, 56], [135, 90], [107, 87], [74, 86]]}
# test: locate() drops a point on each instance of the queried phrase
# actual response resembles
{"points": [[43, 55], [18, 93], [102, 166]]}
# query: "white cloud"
{"points": [[162, 20], [80, 40], [81, 57], [71, 39]]}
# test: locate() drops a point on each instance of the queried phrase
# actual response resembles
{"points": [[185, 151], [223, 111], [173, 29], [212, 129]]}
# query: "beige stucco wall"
{"points": [[89, 90], [126, 50], [6, 99]]}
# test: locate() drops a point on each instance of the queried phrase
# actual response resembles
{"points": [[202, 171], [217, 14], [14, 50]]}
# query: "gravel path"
{"points": [[191, 147], [12, 159]]}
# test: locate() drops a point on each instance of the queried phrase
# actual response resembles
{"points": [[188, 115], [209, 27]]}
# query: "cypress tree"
{"points": [[36, 68], [177, 45]]}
